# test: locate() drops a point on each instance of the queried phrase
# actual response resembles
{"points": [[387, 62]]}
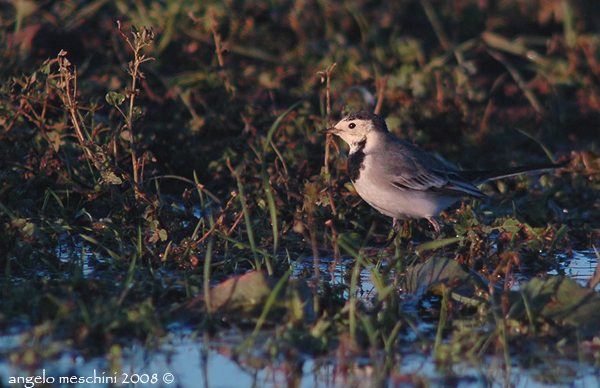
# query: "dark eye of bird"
{"points": [[352, 126]]}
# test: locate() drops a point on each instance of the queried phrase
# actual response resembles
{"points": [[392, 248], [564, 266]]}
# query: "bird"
{"points": [[403, 181]]}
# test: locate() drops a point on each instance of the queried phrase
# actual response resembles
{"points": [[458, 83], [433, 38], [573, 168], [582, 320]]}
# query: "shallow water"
{"points": [[579, 266], [185, 359]]}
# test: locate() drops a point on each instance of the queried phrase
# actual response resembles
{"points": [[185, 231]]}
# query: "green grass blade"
{"points": [[265, 179], [248, 220], [271, 300]]}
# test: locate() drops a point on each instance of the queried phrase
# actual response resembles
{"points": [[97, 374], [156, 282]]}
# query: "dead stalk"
{"points": [[141, 38], [326, 77], [68, 84]]}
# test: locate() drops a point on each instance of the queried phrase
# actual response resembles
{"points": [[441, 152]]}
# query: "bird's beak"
{"points": [[330, 130]]}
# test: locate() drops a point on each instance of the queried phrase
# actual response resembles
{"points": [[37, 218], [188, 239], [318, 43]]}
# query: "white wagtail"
{"points": [[403, 181]]}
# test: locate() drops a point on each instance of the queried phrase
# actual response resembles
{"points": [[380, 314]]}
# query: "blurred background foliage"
{"points": [[483, 83]]}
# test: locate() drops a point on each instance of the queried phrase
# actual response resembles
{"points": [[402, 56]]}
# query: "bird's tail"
{"points": [[479, 177]]}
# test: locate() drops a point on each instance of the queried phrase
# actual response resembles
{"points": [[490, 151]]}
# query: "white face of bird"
{"points": [[356, 127]]}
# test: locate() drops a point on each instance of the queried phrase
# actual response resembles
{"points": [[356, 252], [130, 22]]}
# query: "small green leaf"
{"points": [[162, 235], [55, 140], [114, 98], [137, 112], [111, 177], [511, 225]]}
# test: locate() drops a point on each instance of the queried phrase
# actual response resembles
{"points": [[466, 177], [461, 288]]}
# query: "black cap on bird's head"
{"points": [[359, 122], [378, 122]]}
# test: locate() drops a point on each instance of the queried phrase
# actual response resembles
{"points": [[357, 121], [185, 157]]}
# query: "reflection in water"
{"points": [[580, 266], [190, 361], [186, 359]]}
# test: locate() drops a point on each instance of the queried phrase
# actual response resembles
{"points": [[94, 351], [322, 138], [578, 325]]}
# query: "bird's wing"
{"points": [[440, 182], [411, 168]]}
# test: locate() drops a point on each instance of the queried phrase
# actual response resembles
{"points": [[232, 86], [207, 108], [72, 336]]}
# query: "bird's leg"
{"points": [[397, 227], [434, 223]]}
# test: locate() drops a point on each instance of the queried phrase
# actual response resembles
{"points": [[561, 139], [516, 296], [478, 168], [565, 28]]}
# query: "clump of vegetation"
{"points": [[152, 151]]}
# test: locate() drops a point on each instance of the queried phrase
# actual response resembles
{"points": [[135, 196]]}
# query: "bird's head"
{"points": [[357, 126]]}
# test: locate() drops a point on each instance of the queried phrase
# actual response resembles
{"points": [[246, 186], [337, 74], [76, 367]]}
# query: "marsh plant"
{"points": [[170, 168]]}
